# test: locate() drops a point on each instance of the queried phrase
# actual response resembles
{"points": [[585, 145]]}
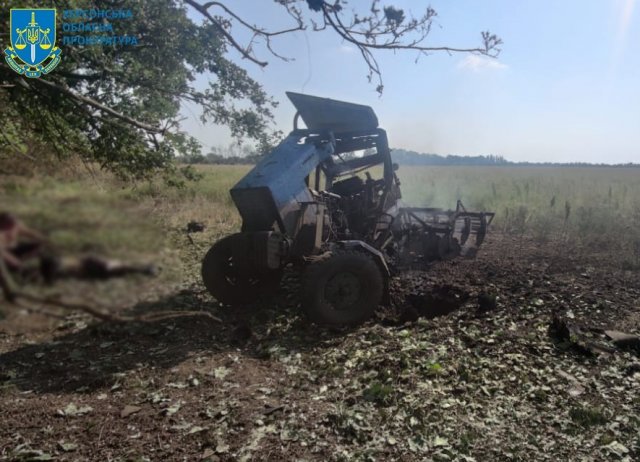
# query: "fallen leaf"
{"points": [[172, 409], [196, 429], [222, 448], [207, 453], [128, 410], [67, 447], [440, 442], [616, 448], [221, 372], [74, 411]]}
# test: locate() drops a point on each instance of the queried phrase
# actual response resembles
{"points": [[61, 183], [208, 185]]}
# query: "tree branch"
{"points": [[202, 9], [247, 52], [97, 105], [391, 27], [381, 28]]}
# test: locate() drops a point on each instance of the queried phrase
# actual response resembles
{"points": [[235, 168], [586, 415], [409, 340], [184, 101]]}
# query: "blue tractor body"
{"points": [[273, 191]]}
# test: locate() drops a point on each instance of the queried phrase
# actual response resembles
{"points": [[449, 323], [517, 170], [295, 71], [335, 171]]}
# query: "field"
{"points": [[472, 385]]}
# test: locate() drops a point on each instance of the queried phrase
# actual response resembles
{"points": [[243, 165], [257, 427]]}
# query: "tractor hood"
{"points": [[336, 116]]}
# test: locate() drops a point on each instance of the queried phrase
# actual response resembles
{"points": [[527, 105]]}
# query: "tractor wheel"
{"points": [[342, 288], [229, 287]]}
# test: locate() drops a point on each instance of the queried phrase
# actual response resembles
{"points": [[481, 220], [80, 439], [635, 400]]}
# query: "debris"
{"points": [[623, 340], [170, 410], [616, 448], [195, 227], [271, 410], [129, 410], [575, 388], [105, 315], [570, 334], [487, 302], [440, 301], [440, 442], [209, 455], [67, 447], [25, 453], [221, 372], [196, 429], [222, 448], [74, 411]]}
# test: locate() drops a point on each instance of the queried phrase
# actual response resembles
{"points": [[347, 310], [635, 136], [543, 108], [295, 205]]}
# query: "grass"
{"points": [[595, 206], [101, 214], [83, 215], [378, 393], [597, 198], [586, 416], [598, 208]]}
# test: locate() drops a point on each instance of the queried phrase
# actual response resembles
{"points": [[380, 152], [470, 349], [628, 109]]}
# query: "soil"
{"points": [[460, 366]]}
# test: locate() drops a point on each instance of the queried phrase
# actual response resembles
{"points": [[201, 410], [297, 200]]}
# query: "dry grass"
{"points": [[597, 207]]}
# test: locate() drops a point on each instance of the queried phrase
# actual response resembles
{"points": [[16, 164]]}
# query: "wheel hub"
{"points": [[343, 290]]}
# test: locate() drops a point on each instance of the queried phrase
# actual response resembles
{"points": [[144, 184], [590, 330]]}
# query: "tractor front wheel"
{"points": [[341, 288], [227, 285]]}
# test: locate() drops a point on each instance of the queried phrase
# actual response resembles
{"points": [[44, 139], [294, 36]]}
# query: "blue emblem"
{"points": [[33, 37]]}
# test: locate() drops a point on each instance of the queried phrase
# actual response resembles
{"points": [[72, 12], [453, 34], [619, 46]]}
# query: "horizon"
{"points": [[509, 162], [226, 153], [565, 95]]}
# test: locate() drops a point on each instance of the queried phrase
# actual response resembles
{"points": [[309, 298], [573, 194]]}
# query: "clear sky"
{"points": [[565, 88]]}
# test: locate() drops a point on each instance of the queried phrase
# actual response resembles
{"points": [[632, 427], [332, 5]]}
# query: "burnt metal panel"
{"points": [[271, 193], [336, 116]]}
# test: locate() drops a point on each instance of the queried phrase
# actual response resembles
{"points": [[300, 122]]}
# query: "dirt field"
{"points": [[486, 380]]}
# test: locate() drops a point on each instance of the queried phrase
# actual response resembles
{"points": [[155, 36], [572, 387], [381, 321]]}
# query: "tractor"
{"points": [[326, 202]]}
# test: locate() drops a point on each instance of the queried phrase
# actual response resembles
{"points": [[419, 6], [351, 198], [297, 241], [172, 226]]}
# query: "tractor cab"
{"points": [[359, 176]]}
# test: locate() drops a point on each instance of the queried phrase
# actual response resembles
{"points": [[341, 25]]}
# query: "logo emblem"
{"points": [[33, 36]]}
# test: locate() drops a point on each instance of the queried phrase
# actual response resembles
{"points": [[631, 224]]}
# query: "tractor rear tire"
{"points": [[341, 289], [229, 287]]}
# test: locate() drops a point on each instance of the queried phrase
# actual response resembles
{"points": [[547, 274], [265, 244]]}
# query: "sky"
{"points": [[565, 88]]}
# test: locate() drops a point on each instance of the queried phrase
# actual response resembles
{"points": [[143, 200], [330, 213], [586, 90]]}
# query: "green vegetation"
{"points": [[404, 157], [119, 105], [586, 416], [588, 207], [378, 393], [101, 213], [598, 207]]}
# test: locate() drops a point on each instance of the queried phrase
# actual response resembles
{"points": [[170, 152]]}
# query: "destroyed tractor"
{"points": [[326, 203]]}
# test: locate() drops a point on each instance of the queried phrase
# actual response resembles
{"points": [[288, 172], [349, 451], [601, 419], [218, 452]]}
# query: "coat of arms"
{"points": [[33, 37]]}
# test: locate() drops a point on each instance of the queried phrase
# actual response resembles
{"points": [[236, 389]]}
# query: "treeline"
{"points": [[229, 155], [218, 159], [404, 157], [234, 154]]}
